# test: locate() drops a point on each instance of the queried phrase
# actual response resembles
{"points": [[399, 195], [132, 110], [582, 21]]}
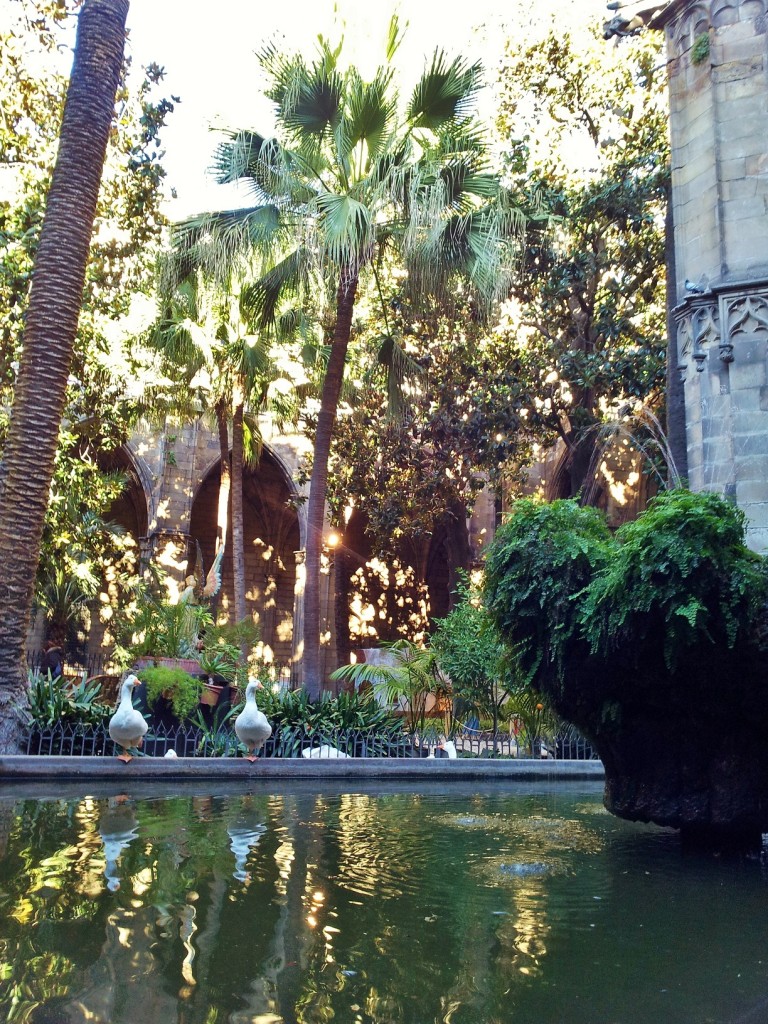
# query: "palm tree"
{"points": [[354, 175], [205, 339], [49, 334]]}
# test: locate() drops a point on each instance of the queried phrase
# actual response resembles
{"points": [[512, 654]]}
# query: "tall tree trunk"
{"points": [[318, 481], [676, 436], [225, 485], [49, 334], [341, 574], [238, 541]]}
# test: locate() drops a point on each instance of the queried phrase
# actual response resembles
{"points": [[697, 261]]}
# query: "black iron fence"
{"points": [[76, 663], [192, 741]]}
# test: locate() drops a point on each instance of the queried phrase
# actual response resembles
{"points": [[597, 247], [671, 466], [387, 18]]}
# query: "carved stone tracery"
{"points": [[718, 320], [746, 314], [684, 344], [686, 22], [706, 332]]}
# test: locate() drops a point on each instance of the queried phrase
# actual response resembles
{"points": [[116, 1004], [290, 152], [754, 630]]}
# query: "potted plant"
{"points": [[163, 634], [179, 688], [218, 664], [223, 656]]}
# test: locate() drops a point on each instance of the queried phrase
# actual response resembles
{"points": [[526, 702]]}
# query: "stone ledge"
{"points": [[146, 769]]}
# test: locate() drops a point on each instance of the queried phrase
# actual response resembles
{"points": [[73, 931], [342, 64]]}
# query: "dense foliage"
{"points": [[585, 130], [677, 583], [355, 711], [175, 685], [679, 576], [58, 701], [541, 559], [472, 655], [411, 457]]}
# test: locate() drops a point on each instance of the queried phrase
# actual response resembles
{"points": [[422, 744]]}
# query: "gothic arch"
{"points": [[271, 537], [400, 598], [132, 509]]}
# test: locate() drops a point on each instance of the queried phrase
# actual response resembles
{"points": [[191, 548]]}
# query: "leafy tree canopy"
{"points": [[584, 128]]}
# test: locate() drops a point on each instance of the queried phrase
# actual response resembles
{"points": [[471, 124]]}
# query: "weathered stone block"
{"points": [[757, 513], [734, 129], [751, 492], [751, 443], [734, 167], [748, 377], [757, 540]]}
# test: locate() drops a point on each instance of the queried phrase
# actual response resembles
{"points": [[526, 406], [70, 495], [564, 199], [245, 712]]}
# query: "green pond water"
{"points": [[464, 905]]}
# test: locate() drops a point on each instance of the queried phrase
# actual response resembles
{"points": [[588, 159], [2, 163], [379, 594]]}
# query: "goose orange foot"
{"points": [[125, 757]]}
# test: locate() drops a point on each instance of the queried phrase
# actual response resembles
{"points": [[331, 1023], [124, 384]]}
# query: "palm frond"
{"points": [[347, 229], [288, 278], [446, 93], [308, 99], [217, 243], [399, 367], [253, 440], [394, 37], [371, 109]]}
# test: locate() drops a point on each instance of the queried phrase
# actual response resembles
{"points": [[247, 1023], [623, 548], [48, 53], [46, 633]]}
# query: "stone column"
{"points": [[718, 82]]}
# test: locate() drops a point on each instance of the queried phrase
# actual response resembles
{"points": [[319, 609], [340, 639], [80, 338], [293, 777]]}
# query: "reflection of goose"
{"points": [[251, 725], [118, 828], [241, 841], [127, 726]]}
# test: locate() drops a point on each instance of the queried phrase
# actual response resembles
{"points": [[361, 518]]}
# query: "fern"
{"points": [[539, 563], [680, 576]]}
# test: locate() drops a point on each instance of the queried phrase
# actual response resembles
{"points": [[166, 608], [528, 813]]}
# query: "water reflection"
{"points": [[245, 834], [367, 909], [118, 828]]}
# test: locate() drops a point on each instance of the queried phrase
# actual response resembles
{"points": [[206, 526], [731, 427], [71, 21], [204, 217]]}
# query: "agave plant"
{"points": [[53, 701]]}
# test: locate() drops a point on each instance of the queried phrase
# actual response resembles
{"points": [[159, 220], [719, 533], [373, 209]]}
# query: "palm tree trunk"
{"points": [[238, 542], [318, 481], [49, 334], [225, 484]]}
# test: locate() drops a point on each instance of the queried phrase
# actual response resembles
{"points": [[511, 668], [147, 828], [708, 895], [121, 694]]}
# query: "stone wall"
{"points": [[718, 81]]}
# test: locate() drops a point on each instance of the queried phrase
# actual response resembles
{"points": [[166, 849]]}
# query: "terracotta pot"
{"points": [[210, 694]]}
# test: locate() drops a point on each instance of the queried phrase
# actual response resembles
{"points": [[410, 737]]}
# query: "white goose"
{"points": [[251, 725], [127, 726]]}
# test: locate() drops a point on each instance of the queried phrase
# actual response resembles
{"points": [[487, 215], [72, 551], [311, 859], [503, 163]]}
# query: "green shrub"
{"points": [[411, 677], [671, 586], [471, 653], [56, 700], [294, 709], [158, 628], [177, 686], [542, 557], [701, 48]]}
